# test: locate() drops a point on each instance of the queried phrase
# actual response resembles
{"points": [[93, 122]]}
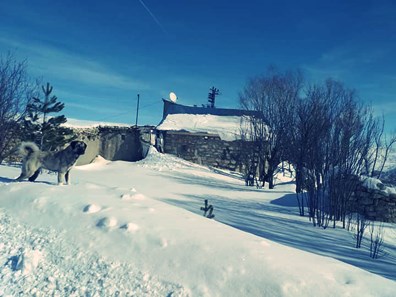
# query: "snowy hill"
{"points": [[85, 124], [136, 229]]}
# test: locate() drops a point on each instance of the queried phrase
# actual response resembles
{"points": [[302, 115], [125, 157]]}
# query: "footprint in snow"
{"points": [[92, 186], [92, 208], [133, 196], [40, 201], [164, 243], [107, 223], [130, 227]]}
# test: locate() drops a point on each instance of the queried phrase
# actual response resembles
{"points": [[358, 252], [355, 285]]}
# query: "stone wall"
{"points": [[112, 143], [207, 149], [378, 204]]}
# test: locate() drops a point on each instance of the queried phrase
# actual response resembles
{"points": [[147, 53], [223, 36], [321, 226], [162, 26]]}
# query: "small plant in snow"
{"points": [[376, 239], [361, 225], [208, 210]]}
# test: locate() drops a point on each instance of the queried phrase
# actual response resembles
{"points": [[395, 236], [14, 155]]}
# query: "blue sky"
{"points": [[99, 55]]}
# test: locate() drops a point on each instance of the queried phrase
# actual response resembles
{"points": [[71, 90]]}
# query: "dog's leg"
{"points": [[67, 177], [25, 173], [61, 178], [35, 175]]}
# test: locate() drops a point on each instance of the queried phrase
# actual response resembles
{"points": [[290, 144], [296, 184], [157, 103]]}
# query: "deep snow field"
{"points": [[136, 229]]}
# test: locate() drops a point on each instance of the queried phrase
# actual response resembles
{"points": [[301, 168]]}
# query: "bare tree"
{"points": [[274, 96], [15, 91], [329, 147], [382, 145]]}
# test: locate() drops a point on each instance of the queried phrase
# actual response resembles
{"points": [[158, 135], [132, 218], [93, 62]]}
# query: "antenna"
{"points": [[212, 96], [172, 97]]}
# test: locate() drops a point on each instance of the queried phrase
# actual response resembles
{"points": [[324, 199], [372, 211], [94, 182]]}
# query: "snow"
{"points": [[136, 229], [227, 127], [391, 190], [85, 124], [372, 183]]}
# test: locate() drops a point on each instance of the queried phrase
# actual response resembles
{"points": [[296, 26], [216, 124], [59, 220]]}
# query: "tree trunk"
{"points": [[270, 178]]}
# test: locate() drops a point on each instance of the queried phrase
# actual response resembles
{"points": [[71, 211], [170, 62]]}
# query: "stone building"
{"points": [[124, 143], [204, 135]]}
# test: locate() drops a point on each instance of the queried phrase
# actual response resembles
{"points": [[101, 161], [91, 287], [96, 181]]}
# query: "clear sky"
{"points": [[99, 55]]}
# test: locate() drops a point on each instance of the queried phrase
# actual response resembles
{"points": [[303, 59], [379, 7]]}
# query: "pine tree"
{"points": [[44, 129]]}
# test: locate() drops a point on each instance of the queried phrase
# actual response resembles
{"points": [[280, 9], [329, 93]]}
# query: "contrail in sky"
{"points": [[153, 16]]}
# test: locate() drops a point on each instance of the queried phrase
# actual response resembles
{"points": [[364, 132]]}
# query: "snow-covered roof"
{"points": [[227, 127]]}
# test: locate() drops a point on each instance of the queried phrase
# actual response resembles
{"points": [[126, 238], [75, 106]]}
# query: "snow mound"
{"points": [[99, 160], [159, 161], [96, 163]]}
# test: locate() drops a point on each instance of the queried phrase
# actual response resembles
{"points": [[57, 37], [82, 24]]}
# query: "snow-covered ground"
{"points": [[136, 229]]}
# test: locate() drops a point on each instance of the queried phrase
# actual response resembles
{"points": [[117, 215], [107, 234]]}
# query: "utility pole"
{"points": [[137, 109]]}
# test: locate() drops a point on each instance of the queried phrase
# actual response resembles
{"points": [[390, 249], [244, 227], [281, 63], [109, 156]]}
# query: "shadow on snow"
{"points": [[278, 220]]}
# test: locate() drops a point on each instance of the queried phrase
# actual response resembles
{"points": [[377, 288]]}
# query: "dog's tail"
{"points": [[27, 148]]}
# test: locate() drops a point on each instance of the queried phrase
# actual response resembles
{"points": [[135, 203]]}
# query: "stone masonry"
{"points": [[375, 204], [112, 143], [207, 149]]}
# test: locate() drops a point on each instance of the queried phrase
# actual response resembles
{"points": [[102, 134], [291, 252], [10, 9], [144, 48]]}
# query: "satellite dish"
{"points": [[172, 97]]}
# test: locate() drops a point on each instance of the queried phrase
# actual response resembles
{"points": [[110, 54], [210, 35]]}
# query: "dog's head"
{"points": [[78, 147]]}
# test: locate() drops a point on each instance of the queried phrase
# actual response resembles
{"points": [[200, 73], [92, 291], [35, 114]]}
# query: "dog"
{"points": [[60, 162]]}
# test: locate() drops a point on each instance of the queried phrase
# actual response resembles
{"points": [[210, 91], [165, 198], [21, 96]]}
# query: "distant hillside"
{"points": [[389, 175], [391, 162]]}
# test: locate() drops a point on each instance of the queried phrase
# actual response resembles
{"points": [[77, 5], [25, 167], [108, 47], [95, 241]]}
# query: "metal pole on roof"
{"points": [[137, 109]]}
